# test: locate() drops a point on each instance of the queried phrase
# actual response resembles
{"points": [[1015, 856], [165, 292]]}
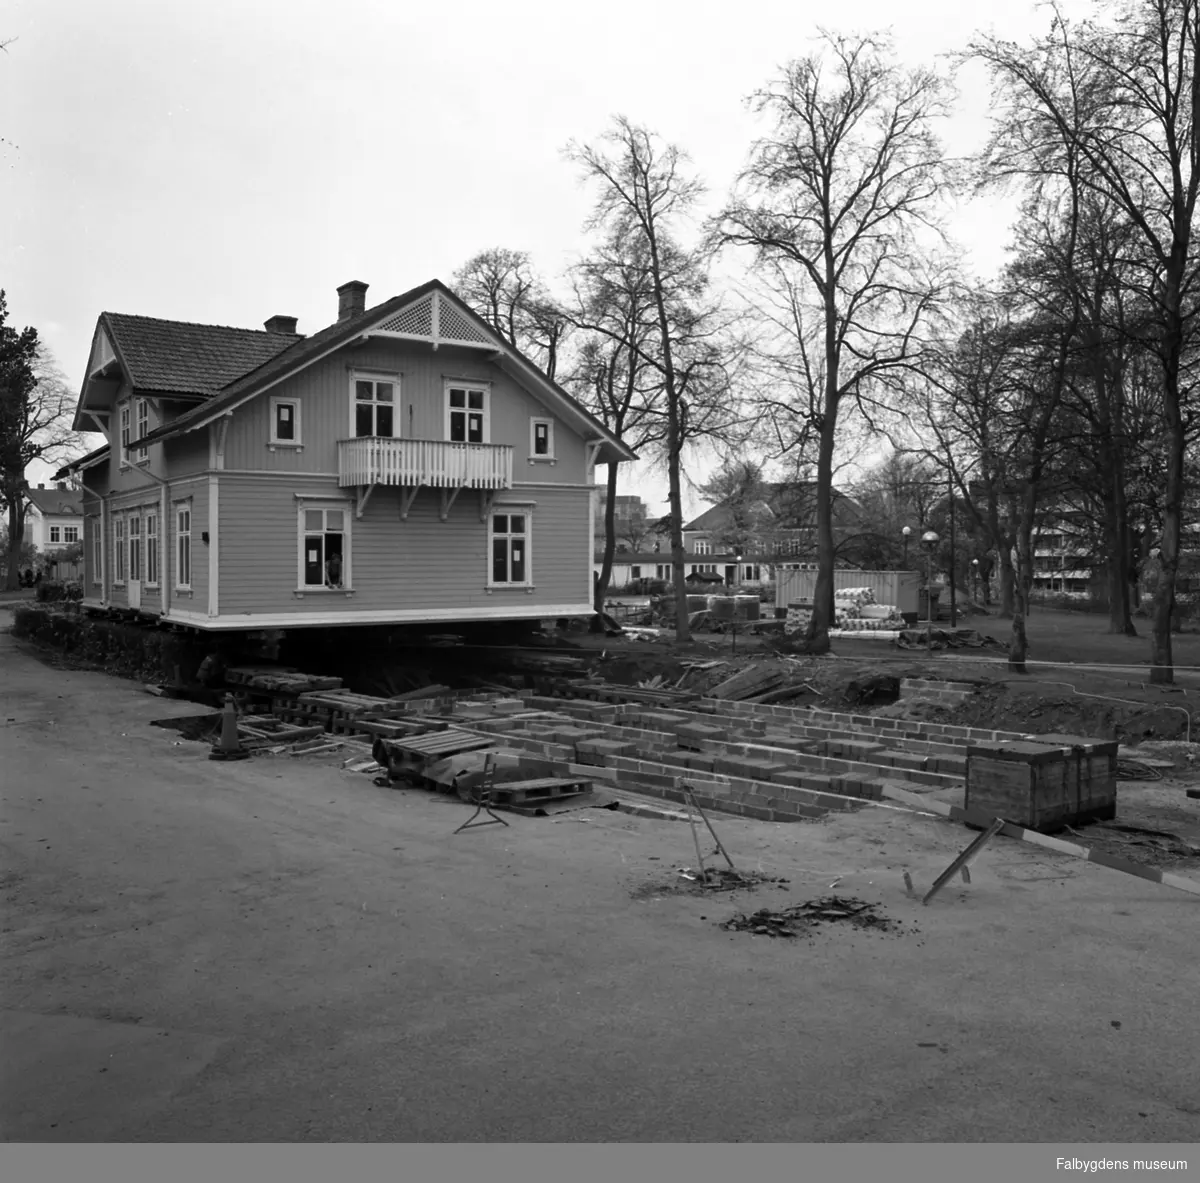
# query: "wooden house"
{"points": [[403, 465]]}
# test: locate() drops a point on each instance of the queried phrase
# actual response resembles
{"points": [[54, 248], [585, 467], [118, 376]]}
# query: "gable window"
{"points": [[142, 425], [324, 548], [55, 533], [285, 421], [510, 549], [70, 533], [183, 546], [374, 407], [135, 547], [541, 439], [702, 547], [152, 549], [118, 550], [124, 458], [467, 419], [97, 550]]}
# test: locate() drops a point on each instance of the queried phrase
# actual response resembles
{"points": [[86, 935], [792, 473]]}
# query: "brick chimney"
{"points": [[41, 486], [61, 486], [280, 324], [352, 299]]}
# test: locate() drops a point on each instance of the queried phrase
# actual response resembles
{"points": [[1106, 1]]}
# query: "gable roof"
{"points": [[68, 502], [781, 500], [303, 351], [172, 356]]}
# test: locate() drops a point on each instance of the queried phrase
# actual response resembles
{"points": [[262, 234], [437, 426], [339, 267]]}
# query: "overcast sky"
{"points": [[223, 161]]}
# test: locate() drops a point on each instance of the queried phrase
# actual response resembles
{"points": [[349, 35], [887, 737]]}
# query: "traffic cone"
{"points": [[229, 747]]}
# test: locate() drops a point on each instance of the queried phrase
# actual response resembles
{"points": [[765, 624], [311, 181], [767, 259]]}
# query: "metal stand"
{"points": [[483, 801], [689, 798], [961, 863]]}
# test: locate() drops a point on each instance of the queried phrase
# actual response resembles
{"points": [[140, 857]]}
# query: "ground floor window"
{"points": [[152, 549], [118, 550], [97, 550], [324, 552], [183, 546], [135, 546], [510, 549]]}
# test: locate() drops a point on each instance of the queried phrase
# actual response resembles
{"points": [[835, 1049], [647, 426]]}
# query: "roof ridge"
{"points": [[195, 324]]}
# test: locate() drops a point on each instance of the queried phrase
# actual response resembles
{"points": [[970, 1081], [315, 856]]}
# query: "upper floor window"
{"points": [[55, 533], [541, 439], [285, 419], [183, 545], [70, 533], [141, 425], [374, 406], [702, 547], [467, 420], [324, 547], [125, 429]]}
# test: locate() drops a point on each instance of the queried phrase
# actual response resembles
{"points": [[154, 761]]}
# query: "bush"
{"points": [[146, 652], [51, 591]]}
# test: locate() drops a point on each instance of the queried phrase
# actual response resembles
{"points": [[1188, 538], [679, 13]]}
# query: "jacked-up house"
{"points": [[403, 465]]}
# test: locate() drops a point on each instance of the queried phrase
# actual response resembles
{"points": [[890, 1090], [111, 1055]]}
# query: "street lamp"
{"points": [[929, 540], [907, 532], [737, 582], [975, 578]]}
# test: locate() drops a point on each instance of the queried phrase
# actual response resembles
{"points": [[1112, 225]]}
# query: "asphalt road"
{"points": [[277, 950]]}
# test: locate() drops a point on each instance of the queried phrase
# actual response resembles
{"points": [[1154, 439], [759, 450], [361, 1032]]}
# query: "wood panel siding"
{"points": [[421, 564], [323, 392]]}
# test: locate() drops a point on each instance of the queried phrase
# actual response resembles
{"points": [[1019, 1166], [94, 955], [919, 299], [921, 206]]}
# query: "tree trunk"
{"points": [[1116, 530], [16, 529], [1161, 656], [1007, 581], [1018, 648], [821, 621], [610, 539]]}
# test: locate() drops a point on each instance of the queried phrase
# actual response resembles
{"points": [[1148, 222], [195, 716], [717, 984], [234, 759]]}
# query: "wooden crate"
{"points": [[1041, 786], [1092, 777]]}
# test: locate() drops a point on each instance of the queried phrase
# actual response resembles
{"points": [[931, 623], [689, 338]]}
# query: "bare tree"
{"points": [[645, 198], [1139, 147], [836, 204], [35, 424], [501, 285]]}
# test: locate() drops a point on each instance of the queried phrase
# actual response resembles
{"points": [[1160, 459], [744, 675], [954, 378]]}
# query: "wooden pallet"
{"points": [[543, 788]]}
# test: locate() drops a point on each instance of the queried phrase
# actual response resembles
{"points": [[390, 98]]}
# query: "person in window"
{"points": [[333, 571]]}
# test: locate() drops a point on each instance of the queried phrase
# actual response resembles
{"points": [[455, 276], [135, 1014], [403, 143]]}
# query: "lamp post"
{"points": [[929, 539], [737, 581], [907, 533], [975, 578]]}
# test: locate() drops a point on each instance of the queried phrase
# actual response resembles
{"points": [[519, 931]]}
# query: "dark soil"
{"points": [[803, 919]]}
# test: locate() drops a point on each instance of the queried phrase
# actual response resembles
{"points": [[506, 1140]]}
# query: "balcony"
{"points": [[411, 464]]}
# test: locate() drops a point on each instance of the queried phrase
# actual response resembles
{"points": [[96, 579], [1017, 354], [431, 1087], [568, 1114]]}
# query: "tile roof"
{"points": [[179, 357], [57, 501]]}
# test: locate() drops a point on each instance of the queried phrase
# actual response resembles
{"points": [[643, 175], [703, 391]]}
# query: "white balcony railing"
{"points": [[375, 460]]}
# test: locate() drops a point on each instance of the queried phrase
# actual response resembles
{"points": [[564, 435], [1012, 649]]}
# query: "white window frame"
{"points": [[375, 377], [297, 440], [150, 536], [507, 510], [141, 424], [470, 387], [178, 508], [323, 505], [67, 531], [97, 549], [536, 457], [55, 535], [125, 420], [702, 546], [118, 550], [133, 532]]}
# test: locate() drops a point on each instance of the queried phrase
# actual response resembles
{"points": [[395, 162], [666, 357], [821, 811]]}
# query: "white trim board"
{"points": [[260, 620]]}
